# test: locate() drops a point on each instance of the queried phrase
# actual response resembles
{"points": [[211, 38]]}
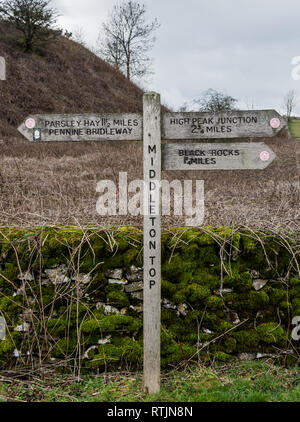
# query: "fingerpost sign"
{"points": [[152, 126]]}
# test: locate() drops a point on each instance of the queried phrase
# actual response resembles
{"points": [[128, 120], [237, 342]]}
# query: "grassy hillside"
{"points": [[55, 183], [294, 126], [66, 78]]}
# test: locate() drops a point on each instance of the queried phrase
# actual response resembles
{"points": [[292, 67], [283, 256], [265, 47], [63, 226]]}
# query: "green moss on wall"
{"points": [[211, 310]]}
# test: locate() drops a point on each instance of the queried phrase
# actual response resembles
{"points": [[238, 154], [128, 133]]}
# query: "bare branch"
{"points": [[289, 103], [214, 102], [128, 38]]}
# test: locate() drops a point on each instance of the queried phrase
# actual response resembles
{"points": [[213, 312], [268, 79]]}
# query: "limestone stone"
{"points": [[247, 356], [108, 309], [26, 276], [22, 328], [134, 287], [134, 274], [83, 278], [122, 281], [259, 284], [116, 274], [57, 275], [106, 340], [137, 295], [168, 305]]}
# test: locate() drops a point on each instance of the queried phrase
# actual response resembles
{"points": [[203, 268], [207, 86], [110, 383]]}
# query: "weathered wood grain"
{"points": [[232, 124], [152, 242], [84, 127], [218, 156]]}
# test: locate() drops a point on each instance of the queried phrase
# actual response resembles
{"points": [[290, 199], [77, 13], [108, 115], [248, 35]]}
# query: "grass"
{"points": [[56, 184], [259, 381], [294, 126]]}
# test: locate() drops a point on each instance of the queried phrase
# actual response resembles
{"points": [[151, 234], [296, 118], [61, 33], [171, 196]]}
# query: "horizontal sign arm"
{"points": [[217, 156], [231, 124], [83, 127], [129, 126]]}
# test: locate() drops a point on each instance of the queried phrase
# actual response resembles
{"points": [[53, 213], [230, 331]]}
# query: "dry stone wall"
{"points": [[74, 298]]}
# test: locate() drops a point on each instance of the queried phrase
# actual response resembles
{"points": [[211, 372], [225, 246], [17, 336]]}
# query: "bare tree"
{"points": [[214, 102], [111, 51], [33, 18], [289, 103], [128, 38], [79, 36]]}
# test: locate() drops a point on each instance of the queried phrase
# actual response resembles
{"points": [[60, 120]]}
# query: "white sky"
{"points": [[241, 47]]}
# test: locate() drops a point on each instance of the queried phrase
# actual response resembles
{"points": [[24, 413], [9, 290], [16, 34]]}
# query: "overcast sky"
{"points": [[241, 47]]}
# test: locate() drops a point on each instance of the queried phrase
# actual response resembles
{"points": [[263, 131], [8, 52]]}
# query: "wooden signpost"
{"points": [[152, 127]]}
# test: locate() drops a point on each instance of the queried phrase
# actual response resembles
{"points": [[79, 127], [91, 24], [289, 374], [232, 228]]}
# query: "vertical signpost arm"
{"points": [[152, 241]]}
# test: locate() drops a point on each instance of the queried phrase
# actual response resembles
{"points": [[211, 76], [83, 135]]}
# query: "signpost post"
{"points": [[204, 156], [152, 242]]}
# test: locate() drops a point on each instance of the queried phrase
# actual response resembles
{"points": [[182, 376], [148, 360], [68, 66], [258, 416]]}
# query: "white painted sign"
{"points": [[232, 124], [217, 156], [82, 127]]}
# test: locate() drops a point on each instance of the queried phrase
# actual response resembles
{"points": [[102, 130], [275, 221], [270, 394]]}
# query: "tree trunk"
{"points": [[28, 46], [128, 70]]}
